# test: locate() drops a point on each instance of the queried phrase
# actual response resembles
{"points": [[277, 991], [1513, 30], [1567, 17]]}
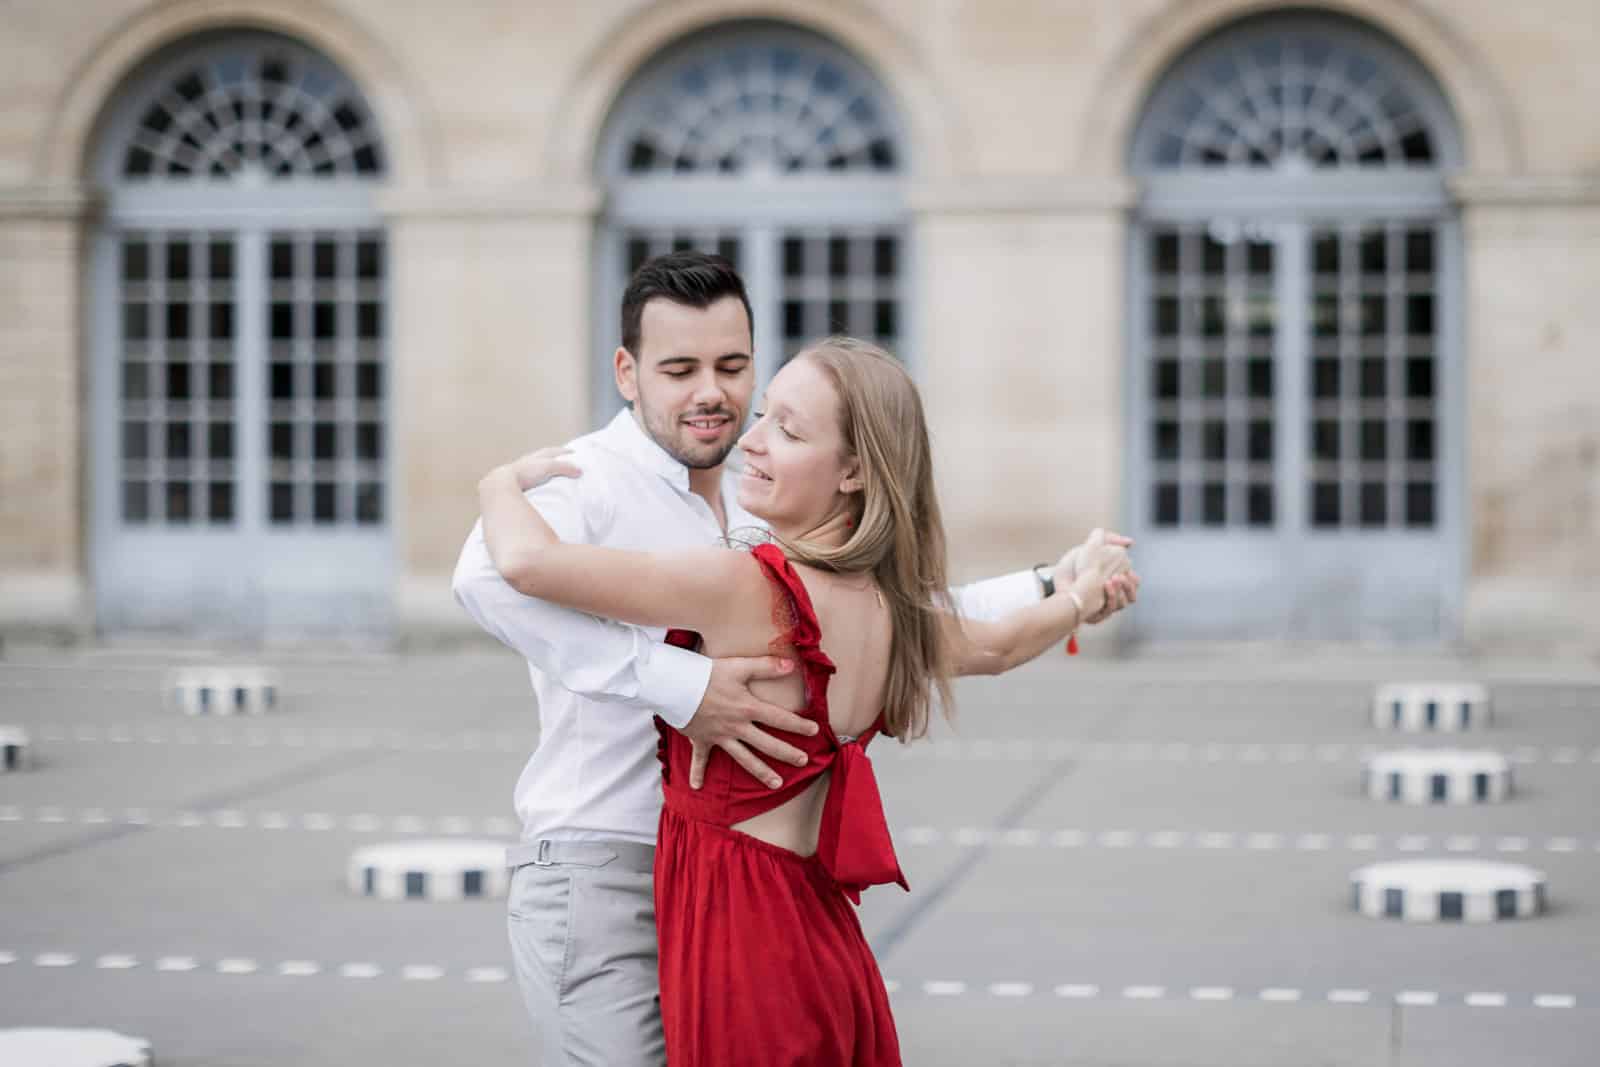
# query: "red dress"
{"points": [[762, 956]]}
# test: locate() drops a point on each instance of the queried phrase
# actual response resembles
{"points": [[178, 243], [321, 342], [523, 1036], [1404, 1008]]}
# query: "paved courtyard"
{"points": [[1134, 863]]}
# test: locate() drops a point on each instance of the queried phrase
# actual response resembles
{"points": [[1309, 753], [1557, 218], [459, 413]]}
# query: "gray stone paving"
{"points": [[1132, 863]]}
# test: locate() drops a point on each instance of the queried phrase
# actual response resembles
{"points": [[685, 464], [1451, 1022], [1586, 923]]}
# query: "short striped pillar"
{"points": [[73, 1048], [1438, 776], [223, 690], [14, 754], [1418, 707], [1448, 890], [444, 869]]}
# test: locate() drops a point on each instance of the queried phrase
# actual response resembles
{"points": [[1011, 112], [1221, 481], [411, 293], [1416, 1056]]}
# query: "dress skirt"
{"points": [[762, 956]]}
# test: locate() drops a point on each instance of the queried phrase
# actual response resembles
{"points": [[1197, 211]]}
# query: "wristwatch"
{"points": [[1043, 572]]}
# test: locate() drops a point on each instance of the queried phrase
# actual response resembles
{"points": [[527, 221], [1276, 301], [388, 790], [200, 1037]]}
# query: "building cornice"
{"points": [[1021, 195], [565, 200], [1526, 190], [48, 202]]}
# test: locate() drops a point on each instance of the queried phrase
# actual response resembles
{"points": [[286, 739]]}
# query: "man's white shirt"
{"points": [[598, 682]]}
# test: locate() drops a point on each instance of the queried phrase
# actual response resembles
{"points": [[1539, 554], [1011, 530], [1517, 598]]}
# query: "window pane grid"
{"points": [[1211, 380], [325, 382], [640, 244], [176, 401], [840, 280], [1373, 412]]}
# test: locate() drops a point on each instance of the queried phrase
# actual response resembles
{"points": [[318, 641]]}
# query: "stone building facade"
{"points": [[1302, 296]]}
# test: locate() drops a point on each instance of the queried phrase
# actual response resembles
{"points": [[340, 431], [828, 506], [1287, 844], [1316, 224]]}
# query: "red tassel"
{"points": [[1072, 644]]}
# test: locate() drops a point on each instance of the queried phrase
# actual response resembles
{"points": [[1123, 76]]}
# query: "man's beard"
{"points": [[665, 435]]}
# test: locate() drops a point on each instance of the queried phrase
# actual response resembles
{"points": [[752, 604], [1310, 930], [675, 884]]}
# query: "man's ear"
{"points": [[627, 373]]}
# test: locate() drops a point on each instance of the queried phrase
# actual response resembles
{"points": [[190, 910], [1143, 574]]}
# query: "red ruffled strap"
{"points": [[804, 631], [863, 856]]}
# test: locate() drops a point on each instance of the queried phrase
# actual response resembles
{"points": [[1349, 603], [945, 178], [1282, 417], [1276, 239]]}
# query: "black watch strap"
{"points": [[1046, 578]]}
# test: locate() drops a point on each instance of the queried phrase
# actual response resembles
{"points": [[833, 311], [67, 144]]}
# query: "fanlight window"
{"points": [[271, 107], [761, 106], [1295, 94]]}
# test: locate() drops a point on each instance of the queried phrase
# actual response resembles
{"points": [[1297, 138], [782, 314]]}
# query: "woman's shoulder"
{"points": [[755, 599]]}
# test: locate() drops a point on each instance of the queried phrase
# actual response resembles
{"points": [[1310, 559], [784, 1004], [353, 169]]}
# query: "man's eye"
{"points": [[758, 415], [677, 374]]}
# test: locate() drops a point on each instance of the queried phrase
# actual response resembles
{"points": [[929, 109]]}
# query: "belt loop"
{"points": [[543, 857]]}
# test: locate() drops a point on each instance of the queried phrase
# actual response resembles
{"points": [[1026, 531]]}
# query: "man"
{"points": [[581, 913]]}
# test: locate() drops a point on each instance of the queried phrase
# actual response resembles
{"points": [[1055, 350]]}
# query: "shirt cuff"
{"points": [[675, 680], [995, 598]]}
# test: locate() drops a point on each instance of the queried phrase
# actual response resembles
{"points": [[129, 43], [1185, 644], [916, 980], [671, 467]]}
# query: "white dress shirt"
{"points": [[599, 682]]}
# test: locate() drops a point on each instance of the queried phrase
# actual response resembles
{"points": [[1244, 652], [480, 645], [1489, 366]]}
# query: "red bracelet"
{"points": [[1072, 638]]}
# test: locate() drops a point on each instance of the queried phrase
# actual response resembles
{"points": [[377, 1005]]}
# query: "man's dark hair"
{"points": [[697, 279]]}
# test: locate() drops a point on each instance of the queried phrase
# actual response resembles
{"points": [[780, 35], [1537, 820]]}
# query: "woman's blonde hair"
{"points": [[897, 534]]}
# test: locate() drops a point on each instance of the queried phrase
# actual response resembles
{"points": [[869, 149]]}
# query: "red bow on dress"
{"points": [[862, 855]]}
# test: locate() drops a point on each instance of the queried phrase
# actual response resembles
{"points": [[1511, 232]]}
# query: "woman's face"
{"points": [[795, 469]]}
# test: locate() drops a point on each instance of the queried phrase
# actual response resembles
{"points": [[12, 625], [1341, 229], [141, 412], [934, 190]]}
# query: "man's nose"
{"points": [[708, 392]]}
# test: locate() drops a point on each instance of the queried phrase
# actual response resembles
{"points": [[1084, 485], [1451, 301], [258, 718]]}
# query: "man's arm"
{"points": [[994, 598], [596, 658]]}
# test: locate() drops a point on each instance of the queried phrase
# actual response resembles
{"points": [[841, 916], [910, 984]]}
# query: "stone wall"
{"points": [[1018, 112]]}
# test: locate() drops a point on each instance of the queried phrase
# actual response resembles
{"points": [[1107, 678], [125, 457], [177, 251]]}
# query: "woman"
{"points": [[761, 953]]}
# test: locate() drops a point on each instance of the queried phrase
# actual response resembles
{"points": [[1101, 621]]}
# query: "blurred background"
{"points": [[1299, 296]]}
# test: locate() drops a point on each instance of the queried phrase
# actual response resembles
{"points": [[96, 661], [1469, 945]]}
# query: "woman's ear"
{"points": [[851, 482]]}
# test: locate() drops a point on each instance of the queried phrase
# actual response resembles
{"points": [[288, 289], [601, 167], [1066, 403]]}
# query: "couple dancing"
{"points": [[701, 781]]}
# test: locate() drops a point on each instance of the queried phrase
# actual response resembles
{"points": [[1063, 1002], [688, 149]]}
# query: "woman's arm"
{"points": [[996, 646], [695, 589]]}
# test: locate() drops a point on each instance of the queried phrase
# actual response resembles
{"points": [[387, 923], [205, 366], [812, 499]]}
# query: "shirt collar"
{"points": [[627, 438]]}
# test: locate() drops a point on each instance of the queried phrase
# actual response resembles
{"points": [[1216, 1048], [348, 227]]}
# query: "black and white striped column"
{"points": [[72, 1048], [1448, 890], [223, 690], [1438, 776], [14, 753], [1418, 707], [445, 869]]}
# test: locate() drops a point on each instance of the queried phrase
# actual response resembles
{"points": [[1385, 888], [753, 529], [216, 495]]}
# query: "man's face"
{"points": [[691, 381]]}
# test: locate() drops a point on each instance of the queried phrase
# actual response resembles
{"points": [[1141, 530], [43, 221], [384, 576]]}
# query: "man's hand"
{"points": [[727, 719], [1120, 591]]}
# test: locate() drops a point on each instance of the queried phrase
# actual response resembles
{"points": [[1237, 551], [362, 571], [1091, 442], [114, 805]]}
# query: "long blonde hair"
{"points": [[897, 534]]}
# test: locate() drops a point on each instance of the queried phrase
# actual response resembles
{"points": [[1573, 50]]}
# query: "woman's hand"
{"points": [[536, 468], [1101, 561], [1120, 591]]}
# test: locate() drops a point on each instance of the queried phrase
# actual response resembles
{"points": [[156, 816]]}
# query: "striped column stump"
{"points": [[14, 755], [445, 869], [1451, 890], [73, 1048], [1418, 707], [1437, 776], [223, 690]]}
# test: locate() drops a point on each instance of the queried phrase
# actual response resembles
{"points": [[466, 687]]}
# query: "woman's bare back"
{"points": [[856, 635]]}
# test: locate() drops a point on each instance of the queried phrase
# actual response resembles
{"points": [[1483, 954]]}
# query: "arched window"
{"points": [[239, 370], [777, 149], [1295, 360]]}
